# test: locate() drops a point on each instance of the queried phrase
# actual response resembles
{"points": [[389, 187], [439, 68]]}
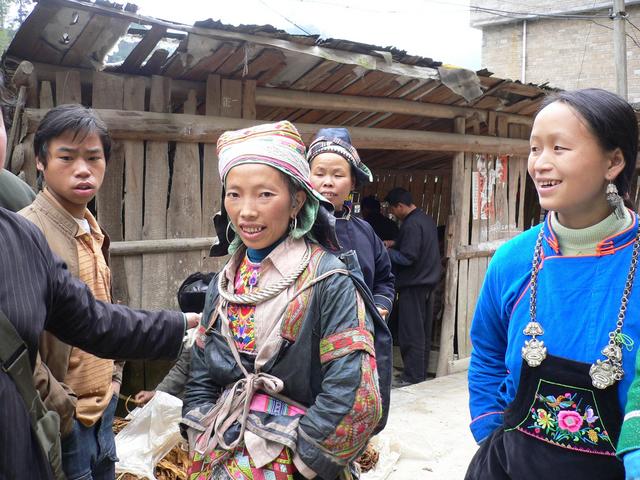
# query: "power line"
{"points": [[637, 44], [354, 7], [285, 17], [516, 14], [634, 26], [584, 50]]}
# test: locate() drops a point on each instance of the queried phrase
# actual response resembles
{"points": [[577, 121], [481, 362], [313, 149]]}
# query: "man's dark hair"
{"points": [[79, 120], [399, 195], [371, 202]]}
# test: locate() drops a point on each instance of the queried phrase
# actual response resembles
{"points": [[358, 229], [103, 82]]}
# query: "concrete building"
{"points": [[567, 44]]}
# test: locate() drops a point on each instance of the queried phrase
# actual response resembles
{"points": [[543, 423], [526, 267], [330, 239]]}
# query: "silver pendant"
{"points": [[534, 352], [604, 374], [533, 329]]}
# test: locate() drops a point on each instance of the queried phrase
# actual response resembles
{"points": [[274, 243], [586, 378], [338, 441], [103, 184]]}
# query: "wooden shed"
{"points": [[455, 138]]}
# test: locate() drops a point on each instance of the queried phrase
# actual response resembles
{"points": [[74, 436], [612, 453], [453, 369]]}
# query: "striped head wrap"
{"points": [[277, 145], [338, 140]]}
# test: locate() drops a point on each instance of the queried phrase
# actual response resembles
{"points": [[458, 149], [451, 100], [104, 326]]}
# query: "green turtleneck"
{"points": [[583, 241]]}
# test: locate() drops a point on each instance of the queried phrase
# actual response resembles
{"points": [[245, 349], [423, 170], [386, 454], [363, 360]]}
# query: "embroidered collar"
{"points": [[607, 246], [285, 258]]}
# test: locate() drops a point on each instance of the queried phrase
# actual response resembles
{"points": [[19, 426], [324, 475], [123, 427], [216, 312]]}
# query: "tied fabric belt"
{"points": [[234, 406]]}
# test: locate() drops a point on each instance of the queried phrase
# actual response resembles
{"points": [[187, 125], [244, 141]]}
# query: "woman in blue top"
{"points": [[336, 169], [556, 326]]}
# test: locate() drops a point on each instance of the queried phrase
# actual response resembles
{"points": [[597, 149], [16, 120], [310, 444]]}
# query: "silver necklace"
{"points": [[604, 373]]}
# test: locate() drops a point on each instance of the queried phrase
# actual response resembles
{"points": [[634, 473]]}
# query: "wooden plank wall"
{"points": [[430, 191], [492, 198], [152, 190], [165, 190]]}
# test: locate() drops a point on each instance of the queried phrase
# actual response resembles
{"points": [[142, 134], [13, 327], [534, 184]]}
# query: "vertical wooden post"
{"points": [[154, 266], [134, 94], [249, 99], [477, 266], [108, 93], [185, 211], [68, 87], [445, 355], [211, 188], [228, 94]]}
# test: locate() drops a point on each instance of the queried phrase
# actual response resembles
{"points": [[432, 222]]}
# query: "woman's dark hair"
{"points": [[79, 120], [612, 121]]}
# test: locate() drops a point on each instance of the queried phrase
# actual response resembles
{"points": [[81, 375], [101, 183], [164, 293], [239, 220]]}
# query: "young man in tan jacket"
{"points": [[72, 149]]}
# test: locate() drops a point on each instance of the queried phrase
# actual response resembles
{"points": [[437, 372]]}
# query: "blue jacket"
{"points": [[578, 303], [356, 234]]}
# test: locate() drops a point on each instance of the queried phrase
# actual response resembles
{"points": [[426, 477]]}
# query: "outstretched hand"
{"points": [[143, 396], [193, 320]]}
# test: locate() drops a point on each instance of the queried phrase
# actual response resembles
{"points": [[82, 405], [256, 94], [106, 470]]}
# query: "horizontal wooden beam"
{"points": [[139, 247], [137, 125], [457, 366], [274, 97], [484, 249], [282, 98]]}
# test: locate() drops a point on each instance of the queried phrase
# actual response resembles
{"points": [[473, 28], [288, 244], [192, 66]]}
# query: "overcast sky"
{"points": [[438, 29]]}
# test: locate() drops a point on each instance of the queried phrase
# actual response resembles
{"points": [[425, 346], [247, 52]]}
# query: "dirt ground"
{"points": [[429, 427]]}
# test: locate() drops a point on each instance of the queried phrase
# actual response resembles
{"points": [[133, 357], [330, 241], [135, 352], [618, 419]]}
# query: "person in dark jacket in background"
{"points": [[385, 228], [336, 169], [416, 260]]}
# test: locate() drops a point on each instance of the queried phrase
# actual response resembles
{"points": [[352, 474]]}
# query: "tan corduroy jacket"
{"points": [[52, 363]]}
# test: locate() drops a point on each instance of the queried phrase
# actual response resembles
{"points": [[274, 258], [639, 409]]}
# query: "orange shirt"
{"points": [[90, 376]]}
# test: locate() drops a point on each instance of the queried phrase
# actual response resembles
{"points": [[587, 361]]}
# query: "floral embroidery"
{"points": [[356, 427], [241, 317], [298, 306], [567, 419]]}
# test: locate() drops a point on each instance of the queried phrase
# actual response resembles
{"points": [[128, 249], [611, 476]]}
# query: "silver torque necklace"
{"points": [[604, 373]]}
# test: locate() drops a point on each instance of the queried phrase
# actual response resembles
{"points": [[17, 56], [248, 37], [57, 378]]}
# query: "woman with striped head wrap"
{"points": [[336, 169], [284, 381]]}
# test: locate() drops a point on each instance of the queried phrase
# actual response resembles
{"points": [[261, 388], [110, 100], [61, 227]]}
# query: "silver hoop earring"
{"points": [[615, 200], [293, 225], [227, 233]]}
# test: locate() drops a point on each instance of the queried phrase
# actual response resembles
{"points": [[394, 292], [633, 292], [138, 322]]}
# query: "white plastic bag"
{"points": [[389, 449], [152, 432]]}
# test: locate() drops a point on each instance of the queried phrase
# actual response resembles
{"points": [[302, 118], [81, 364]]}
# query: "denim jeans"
{"points": [[89, 453]]}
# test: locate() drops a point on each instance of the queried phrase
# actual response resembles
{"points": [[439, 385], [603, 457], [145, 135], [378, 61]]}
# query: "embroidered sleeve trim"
{"points": [[356, 427], [341, 344]]}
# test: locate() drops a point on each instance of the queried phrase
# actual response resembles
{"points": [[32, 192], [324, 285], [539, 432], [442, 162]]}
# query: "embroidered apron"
{"points": [[565, 418], [557, 425]]}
